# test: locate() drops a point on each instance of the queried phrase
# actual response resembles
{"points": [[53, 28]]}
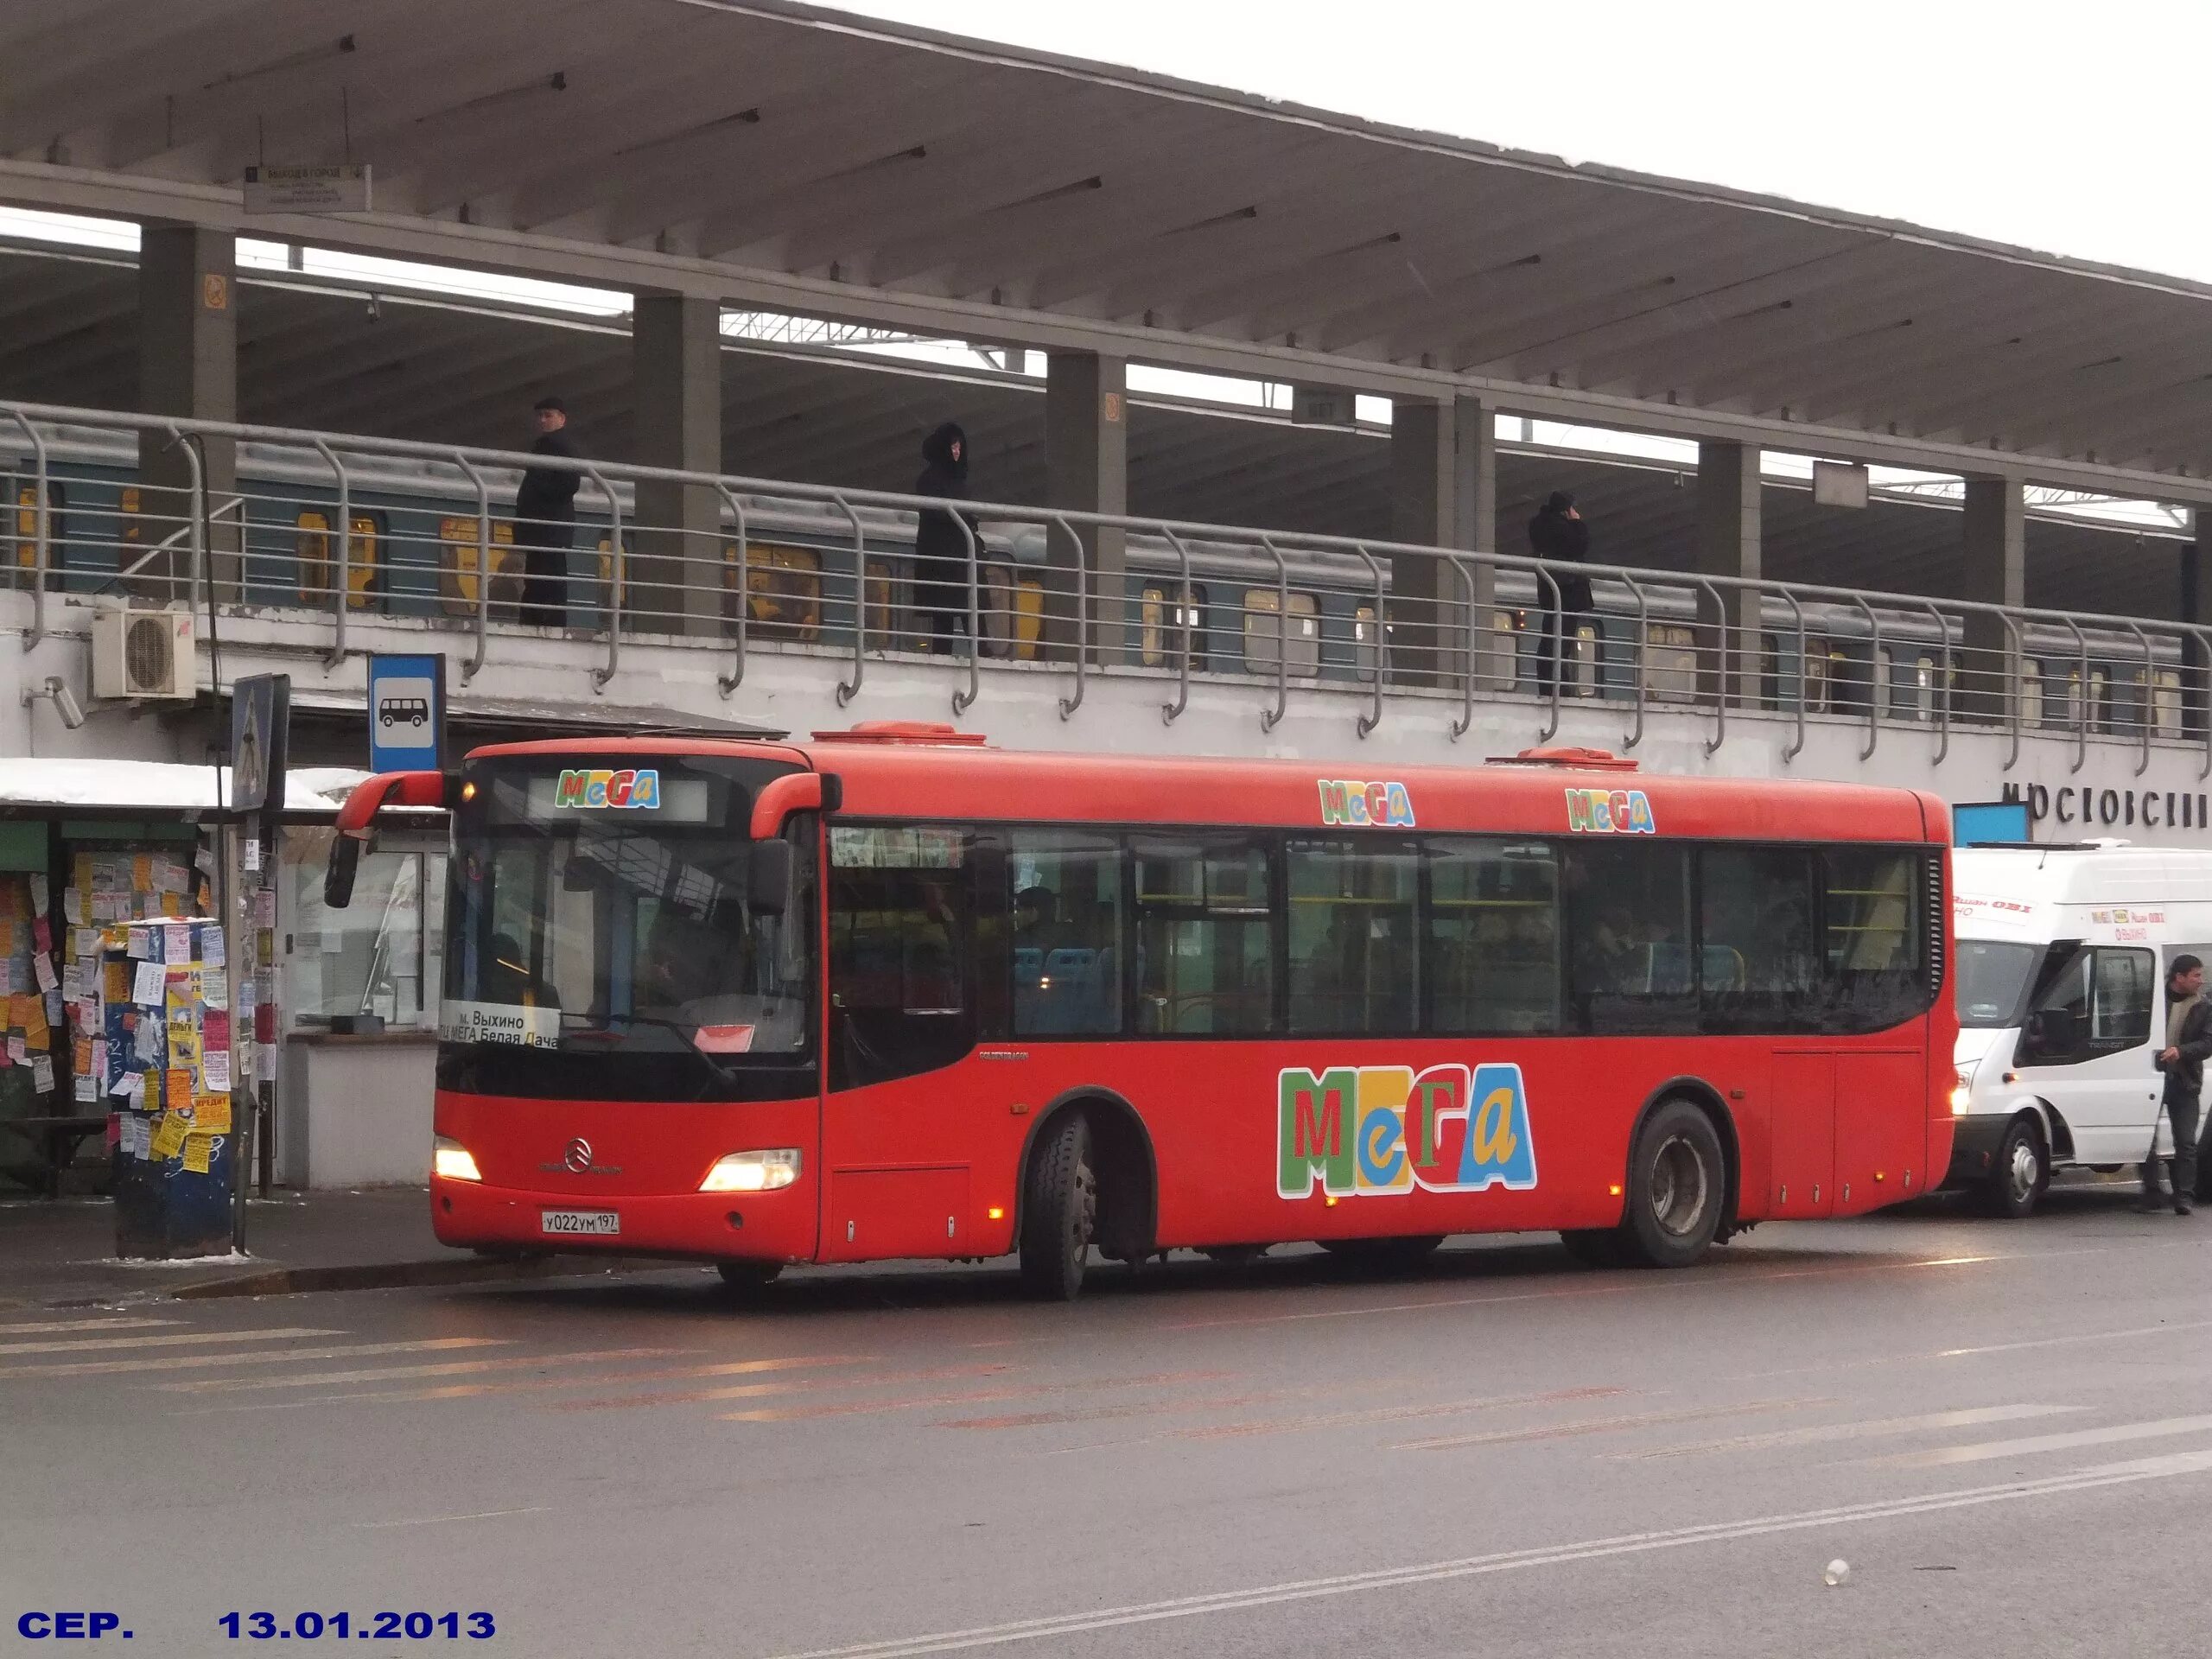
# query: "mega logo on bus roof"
{"points": [[1364, 1129], [637, 789], [1610, 812], [1346, 802]]}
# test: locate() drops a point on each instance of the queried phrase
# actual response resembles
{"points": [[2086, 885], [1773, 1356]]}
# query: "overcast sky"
{"points": [[2075, 128]]}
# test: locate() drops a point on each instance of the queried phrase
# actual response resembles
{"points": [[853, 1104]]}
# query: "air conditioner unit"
{"points": [[142, 651]]}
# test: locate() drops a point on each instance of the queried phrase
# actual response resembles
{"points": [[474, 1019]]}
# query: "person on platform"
{"points": [[545, 520], [1557, 534], [2188, 1045], [940, 549]]}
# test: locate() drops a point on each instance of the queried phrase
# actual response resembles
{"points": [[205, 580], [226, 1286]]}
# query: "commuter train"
{"points": [[413, 552]]}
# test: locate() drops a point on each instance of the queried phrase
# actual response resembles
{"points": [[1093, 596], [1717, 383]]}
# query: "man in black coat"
{"points": [[2188, 1045], [545, 520], [940, 549], [1557, 533]]}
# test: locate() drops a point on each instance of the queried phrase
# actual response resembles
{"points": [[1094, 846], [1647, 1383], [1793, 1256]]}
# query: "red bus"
{"points": [[897, 993]]}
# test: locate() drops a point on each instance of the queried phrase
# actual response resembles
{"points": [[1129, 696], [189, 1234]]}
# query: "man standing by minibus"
{"points": [[2188, 1045]]}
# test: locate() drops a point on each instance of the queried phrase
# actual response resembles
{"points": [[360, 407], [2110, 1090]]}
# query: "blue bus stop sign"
{"points": [[407, 712]]}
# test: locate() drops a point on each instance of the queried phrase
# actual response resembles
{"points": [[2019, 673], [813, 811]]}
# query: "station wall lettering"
{"points": [[2085, 807]]}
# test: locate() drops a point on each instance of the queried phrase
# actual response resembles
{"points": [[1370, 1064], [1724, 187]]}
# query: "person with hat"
{"points": [[545, 519], [1558, 535]]}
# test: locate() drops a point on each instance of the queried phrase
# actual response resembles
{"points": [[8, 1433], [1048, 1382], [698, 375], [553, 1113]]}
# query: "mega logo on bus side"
{"points": [[1610, 812], [1385, 1128], [1346, 802], [636, 791]]}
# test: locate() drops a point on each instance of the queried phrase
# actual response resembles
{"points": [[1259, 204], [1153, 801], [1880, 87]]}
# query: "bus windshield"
{"points": [[1992, 982], [606, 940]]}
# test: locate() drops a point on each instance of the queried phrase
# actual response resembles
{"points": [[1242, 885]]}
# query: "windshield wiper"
{"points": [[605, 1028]]}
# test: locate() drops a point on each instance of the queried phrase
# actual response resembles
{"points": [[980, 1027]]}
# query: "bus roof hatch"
{"points": [[1579, 759], [904, 731]]}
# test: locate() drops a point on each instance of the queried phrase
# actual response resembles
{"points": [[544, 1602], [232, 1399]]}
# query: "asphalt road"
{"points": [[2004, 1428]]}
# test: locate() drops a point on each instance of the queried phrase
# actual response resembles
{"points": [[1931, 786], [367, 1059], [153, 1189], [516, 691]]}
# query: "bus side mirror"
{"points": [[772, 877], [338, 878]]}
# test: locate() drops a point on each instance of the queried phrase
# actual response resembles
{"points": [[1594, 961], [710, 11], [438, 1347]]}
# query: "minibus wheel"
{"points": [[1059, 1211], [2020, 1171], [1677, 1184]]}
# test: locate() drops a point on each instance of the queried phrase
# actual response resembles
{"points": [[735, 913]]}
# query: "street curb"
{"points": [[394, 1276]]}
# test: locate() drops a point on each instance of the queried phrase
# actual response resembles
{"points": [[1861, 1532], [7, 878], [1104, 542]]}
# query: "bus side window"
{"points": [[1064, 895], [1204, 935], [1351, 965], [1489, 961], [1630, 968], [1756, 965], [2120, 993], [1872, 937], [908, 917]]}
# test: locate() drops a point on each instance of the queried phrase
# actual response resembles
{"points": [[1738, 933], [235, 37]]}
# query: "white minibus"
{"points": [[2060, 976]]}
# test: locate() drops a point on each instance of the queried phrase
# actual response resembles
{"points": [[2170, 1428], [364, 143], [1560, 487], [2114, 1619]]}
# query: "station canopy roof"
{"points": [[775, 155]]}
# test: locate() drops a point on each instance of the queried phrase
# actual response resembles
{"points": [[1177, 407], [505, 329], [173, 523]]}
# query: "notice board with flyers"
{"points": [[164, 1058]]}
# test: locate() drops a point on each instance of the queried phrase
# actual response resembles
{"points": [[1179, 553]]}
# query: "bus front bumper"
{"points": [[697, 1226]]}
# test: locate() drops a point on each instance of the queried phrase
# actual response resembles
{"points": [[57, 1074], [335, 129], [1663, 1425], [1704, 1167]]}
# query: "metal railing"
{"points": [[344, 527]]}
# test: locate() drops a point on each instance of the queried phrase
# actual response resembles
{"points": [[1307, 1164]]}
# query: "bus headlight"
{"points": [[450, 1160], [752, 1171], [1962, 1091]]}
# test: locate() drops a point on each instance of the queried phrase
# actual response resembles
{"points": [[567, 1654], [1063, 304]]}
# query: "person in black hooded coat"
{"points": [[1558, 535], [940, 549]]}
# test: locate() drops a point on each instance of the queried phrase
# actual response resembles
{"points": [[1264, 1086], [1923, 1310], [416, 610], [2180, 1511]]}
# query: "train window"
{"points": [[1506, 628], [1161, 624], [2165, 703], [604, 566], [2069, 707], [1884, 690], [1013, 608], [1264, 628], [1363, 641], [881, 595], [312, 550], [2030, 692], [2102, 714], [27, 524], [457, 562], [783, 589], [129, 530], [1582, 653], [1670, 663], [1920, 700]]}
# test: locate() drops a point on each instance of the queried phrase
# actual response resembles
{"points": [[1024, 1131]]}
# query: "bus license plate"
{"points": [[599, 1223]]}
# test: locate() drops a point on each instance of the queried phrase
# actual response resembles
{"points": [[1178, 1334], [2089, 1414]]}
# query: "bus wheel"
{"points": [[1593, 1246], [1060, 1212], [1678, 1178], [1234, 1255], [2020, 1171], [1384, 1254], [748, 1275]]}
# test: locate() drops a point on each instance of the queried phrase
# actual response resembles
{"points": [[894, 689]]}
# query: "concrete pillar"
{"points": [[1443, 494], [1994, 528], [1086, 470], [188, 366], [1731, 643], [676, 579], [2196, 610]]}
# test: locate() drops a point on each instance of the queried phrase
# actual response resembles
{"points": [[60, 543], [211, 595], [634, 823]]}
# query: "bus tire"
{"points": [[1384, 1254], [1593, 1247], [1677, 1187], [1059, 1211], [746, 1277], [2019, 1172]]}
